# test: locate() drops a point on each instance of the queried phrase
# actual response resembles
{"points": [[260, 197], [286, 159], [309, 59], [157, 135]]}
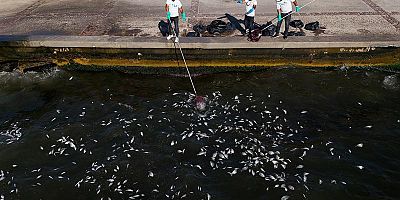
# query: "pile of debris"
{"points": [[215, 28], [222, 28], [313, 26], [269, 29]]}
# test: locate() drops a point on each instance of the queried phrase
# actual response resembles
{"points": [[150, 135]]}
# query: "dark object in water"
{"points": [[296, 33], [200, 103], [163, 26], [312, 26], [193, 34], [296, 24]]}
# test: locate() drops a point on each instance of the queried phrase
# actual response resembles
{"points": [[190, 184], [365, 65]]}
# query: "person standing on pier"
{"points": [[285, 9], [251, 6], [173, 8]]}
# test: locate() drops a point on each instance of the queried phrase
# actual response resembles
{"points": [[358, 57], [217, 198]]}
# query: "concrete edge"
{"points": [[123, 42]]}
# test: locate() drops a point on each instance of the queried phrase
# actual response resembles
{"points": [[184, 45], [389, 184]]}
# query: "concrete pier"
{"points": [[359, 32]]}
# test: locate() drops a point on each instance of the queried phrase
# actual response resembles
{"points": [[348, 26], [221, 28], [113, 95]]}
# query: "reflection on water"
{"points": [[276, 134]]}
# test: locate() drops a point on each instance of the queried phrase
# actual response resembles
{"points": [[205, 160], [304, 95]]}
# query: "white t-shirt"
{"points": [[249, 6], [173, 7], [284, 5]]}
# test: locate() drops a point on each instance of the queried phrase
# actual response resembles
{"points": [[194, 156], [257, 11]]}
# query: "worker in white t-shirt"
{"points": [[173, 8], [251, 6], [285, 9]]}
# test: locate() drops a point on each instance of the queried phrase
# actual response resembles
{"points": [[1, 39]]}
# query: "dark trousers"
{"points": [[174, 20], [248, 23], [287, 21]]}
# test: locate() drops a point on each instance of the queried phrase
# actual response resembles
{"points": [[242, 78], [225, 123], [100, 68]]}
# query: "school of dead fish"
{"points": [[238, 136]]}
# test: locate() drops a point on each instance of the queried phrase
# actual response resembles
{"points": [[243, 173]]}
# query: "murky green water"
{"points": [[276, 134]]}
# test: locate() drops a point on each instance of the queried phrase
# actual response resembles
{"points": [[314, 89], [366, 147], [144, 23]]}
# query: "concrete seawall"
{"points": [[128, 53], [114, 34]]}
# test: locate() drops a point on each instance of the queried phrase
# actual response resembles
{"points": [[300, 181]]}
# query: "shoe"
{"points": [[285, 37], [169, 37], [176, 40], [275, 36]]}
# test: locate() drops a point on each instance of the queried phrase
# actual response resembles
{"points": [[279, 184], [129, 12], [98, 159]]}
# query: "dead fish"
{"points": [[233, 172], [181, 151], [285, 197]]}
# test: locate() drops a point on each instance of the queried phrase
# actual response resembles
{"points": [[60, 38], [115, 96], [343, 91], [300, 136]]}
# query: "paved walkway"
{"points": [[139, 18]]}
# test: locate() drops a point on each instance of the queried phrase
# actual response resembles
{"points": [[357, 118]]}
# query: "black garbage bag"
{"points": [[230, 26], [296, 33], [268, 29], [163, 26], [217, 27], [312, 26], [193, 34], [215, 30], [212, 30], [296, 24], [218, 23], [199, 28]]}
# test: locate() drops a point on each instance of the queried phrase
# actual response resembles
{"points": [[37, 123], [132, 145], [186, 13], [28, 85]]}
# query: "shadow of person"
{"points": [[163, 27], [235, 22]]}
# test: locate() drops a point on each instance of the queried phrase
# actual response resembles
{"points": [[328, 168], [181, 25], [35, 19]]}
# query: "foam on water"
{"points": [[11, 78], [391, 82]]}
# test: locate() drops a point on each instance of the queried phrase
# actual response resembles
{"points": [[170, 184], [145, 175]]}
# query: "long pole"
{"points": [[183, 57], [287, 15]]}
